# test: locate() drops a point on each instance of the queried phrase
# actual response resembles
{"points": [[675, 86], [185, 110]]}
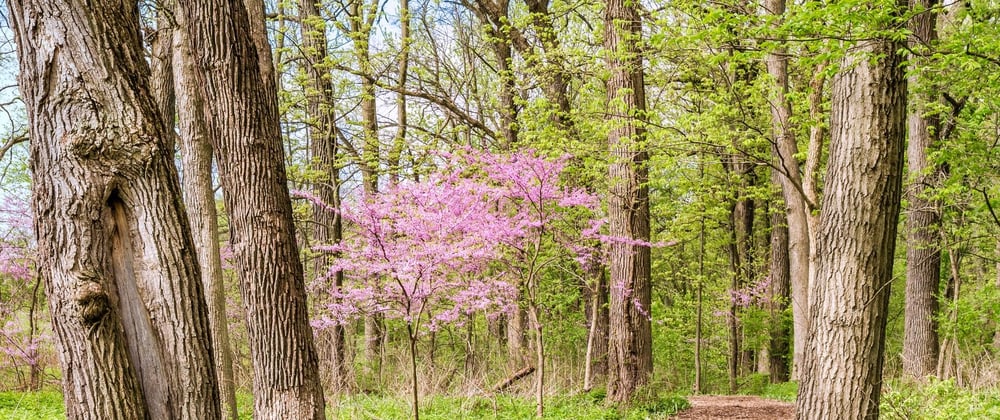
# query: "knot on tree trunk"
{"points": [[93, 301]]}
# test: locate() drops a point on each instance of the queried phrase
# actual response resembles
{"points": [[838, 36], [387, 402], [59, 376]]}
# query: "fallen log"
{"points": [[502, 386]]}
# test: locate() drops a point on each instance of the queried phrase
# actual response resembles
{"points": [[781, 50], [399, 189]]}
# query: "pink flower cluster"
{"points": [[753, 293], [433, 252]]}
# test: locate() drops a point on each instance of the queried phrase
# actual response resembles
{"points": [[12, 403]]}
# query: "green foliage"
{"points": [[584, 406], [41, 405], [938, 400]]}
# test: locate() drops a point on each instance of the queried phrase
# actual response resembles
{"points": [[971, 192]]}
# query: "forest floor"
{"points": [[736, 407]]}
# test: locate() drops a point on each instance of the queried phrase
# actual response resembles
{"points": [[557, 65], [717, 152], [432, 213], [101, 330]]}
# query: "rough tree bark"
{"points": [[199, 200], [242, 118], [777, 348], [842, 376], [322, 131], [630, 359], [923, 248], [797, 207], [114, 248]]}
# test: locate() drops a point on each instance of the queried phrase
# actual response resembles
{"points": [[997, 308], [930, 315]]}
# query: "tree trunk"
{"points": [[517, 342], [199, 200], [399, 143], [777, 349], [790, 180], [114, 248], [923, 250], [243, 121], [362, 18], [630, 358], [322, 132], [843, 370], [597, 337]]}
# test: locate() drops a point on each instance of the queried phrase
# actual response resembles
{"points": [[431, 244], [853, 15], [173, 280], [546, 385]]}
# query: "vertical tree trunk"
{"points": [[243, 121], [923, 251], [322, 132], [597, 337], [843, 370], [362, 18], [698, 383], [199, 200], [796, 203], [402, 69], [114, 248], [630, 359], [780, 275]]}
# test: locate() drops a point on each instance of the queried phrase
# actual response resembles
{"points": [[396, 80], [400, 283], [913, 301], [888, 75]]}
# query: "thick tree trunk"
{"points": [[114, 248], [797, 208], [243, 121], [323, 136], [923, 250], [777, 349], [630, 359], [199, 199], [843, 371]]}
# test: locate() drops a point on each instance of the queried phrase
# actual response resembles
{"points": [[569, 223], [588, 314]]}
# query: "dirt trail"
{"points": [[736, 407]]}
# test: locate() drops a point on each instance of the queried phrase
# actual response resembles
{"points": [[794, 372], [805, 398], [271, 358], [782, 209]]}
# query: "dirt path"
{"points": [[736, 407]]}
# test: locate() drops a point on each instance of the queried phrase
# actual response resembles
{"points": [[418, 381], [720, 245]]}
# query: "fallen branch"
{"points": [[502, 386]]}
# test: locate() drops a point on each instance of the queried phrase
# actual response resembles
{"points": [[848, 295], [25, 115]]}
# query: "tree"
{"points": [[199, 201], [857, 236], [630, 357], [793, 191], [780, 287], [114, 248], [923, 249], [243, 124], [420, 254], [323, 132]]}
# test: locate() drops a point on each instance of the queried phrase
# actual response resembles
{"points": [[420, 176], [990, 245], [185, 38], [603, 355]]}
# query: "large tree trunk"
{"points": [[792, 191], [199, 200], [843, 371], [323, 135], [777, 349], [114, 248], [630, 358], [243, 121], [923, 250]]}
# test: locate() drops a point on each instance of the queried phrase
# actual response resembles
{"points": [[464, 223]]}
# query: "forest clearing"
{"points": [[506, 209]]}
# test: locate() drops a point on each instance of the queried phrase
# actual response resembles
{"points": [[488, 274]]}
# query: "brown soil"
{"points": [[736, 407]]}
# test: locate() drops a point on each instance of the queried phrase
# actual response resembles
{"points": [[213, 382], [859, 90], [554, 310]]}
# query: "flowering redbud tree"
{"points": [[461, 241]]}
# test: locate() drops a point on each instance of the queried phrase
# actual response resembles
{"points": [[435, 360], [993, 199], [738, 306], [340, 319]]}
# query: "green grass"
{"points": [[938, 400], [585, 406], [42, 405], [48, 405], [760, 385]]}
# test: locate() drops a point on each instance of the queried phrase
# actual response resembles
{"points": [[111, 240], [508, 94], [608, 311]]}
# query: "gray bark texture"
{"points": [[842, 376], [323, 137], [114, 248], [923, 221], [792, 192], [242, 120], [199, 200], [630, 358]]}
